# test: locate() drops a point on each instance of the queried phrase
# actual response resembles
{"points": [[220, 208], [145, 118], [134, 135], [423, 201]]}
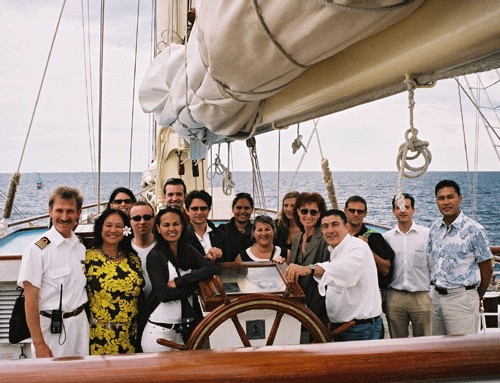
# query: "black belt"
{"points": [[359, 321], [443, 291], [68, 314], [173, 326]]}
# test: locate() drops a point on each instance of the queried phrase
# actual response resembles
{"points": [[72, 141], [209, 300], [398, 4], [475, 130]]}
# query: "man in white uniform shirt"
{"points": [[349, 281], [408, 298], [52, 275], [142, 222]]}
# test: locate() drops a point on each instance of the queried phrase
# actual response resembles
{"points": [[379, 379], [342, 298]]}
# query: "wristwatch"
{"points": [[312, 266]]}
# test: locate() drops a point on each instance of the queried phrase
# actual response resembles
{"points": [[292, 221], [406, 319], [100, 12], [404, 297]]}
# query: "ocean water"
{"points": [[377, 188]]}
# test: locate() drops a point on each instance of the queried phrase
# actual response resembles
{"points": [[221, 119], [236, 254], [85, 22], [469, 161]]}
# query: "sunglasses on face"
{"points": [[196, 208], [127, 201], [313, 212], [145, 217], [359, 211]]}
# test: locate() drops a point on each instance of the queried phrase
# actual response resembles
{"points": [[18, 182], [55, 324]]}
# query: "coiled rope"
{"points": [[411, 145], [228, 183], [217, 168]]}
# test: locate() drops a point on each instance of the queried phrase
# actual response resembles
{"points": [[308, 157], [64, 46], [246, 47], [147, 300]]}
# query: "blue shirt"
{"points": [[456, 251]]}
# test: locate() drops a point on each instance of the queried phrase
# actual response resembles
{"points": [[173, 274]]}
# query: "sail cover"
{"points": [[240, 52]]}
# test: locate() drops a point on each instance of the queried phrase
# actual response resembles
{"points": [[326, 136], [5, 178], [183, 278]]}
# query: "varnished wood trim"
{"points": [[460, 358]]}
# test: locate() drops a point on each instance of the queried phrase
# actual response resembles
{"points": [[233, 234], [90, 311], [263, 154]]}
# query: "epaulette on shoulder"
{"points": [[42, 243]]}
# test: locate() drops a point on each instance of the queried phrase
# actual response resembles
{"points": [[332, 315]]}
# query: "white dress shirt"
{"points": [[350, 282], [411, 264]]}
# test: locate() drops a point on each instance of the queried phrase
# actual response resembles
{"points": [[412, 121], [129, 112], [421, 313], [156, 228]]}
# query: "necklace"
{"points": [[111, 257]]}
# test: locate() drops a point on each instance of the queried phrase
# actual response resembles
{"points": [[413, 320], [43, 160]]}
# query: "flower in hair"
{"points": [[127, 231]]}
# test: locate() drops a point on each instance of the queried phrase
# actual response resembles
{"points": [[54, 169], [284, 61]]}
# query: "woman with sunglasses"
{"points": [[114, 284], [175, 268], [122, 199], [286, 226], [309, 248], [263, 249]]}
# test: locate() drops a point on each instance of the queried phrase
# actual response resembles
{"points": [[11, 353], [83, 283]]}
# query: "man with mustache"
{"points": [[53, 278]]}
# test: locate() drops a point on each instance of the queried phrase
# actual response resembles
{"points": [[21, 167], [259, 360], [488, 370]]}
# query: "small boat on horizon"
{"points": [[38, 181]]}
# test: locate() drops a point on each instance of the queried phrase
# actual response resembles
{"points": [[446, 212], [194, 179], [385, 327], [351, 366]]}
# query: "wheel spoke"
{"points": [[241, 332], [274, 328]]}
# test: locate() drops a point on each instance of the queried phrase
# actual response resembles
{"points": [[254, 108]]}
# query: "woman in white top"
{"points": [[175, 268], [263, 249]]}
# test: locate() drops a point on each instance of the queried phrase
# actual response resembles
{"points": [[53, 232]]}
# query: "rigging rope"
{"points": [[303, 154], [278, 199], [133, 95], [411, 145], [327, 177], [463, 124], [227, 181], [14, 181], [99, 140], [258, 186], [89, 99]]}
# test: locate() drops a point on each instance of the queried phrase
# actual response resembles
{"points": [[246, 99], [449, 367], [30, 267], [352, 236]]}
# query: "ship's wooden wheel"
{"points": [[229, 310]]}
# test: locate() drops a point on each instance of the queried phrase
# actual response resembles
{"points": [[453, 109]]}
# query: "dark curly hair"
{"points": [[184, 259], [125, 244]]}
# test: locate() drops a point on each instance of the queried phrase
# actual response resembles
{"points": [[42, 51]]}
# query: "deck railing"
{"points": [[431, 359]]}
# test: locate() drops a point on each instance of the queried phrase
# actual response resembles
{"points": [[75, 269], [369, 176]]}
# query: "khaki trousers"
{"points": [[456, 313], [404, 307]]}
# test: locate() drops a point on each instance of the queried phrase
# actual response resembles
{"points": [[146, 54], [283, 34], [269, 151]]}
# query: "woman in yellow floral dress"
{"points": [[114, 284]]}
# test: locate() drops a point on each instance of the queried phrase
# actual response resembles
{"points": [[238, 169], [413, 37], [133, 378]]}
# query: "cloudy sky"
{"points": [[363, 138]]}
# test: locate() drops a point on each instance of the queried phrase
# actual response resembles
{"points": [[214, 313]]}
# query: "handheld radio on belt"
{"points": [[56, 317]]}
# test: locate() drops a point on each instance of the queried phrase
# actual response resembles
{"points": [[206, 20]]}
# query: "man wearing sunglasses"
{"points": [[356, 210], [142, 222], [201, 232]]}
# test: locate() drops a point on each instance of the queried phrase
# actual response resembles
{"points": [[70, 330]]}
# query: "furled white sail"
{"points": [[241, 52]]}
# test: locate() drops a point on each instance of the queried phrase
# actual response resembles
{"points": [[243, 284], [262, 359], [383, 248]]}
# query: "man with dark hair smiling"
{"points": [[174, 194], [460, 265], [201, 232], [348, 280]]}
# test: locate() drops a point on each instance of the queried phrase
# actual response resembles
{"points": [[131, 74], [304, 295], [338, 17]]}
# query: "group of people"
{"points": [[134, 284]]}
